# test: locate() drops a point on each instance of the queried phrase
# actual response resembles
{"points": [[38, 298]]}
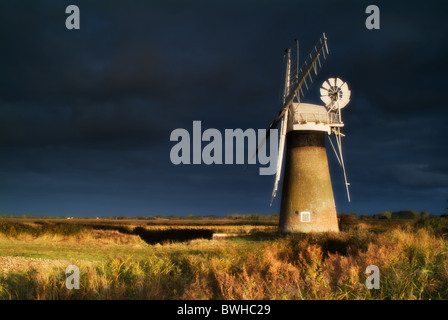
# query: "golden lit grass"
{"points": [[19, 264], [90, 245], [84, 236], [413, 264]]}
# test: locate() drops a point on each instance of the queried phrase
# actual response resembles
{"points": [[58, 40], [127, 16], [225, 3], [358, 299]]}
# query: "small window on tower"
{"points": [[305, 217]]}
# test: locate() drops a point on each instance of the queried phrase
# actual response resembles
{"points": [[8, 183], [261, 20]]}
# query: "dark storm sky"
{"points": [[86, 115]]}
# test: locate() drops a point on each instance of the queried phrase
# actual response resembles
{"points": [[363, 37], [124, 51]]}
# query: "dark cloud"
{"points": [[86, 115]]}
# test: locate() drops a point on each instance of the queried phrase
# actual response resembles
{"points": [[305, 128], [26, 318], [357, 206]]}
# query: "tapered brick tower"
{"points": [[307, 202]]}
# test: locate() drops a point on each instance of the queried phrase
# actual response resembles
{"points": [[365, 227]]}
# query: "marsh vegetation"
{"points": [[120, 260]]}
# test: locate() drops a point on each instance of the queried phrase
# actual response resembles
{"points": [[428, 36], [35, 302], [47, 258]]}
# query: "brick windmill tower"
{"points": [[307, 202]]}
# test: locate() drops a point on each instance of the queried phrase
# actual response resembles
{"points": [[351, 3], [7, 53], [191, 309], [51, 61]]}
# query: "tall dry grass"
{"points": [[413, 264]]}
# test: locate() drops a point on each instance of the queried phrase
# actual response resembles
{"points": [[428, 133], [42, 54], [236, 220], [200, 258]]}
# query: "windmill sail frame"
{"points": [[300, 77], [297, 77]]}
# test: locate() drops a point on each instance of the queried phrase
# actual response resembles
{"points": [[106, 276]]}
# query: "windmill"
{"points": [[307, 202]]}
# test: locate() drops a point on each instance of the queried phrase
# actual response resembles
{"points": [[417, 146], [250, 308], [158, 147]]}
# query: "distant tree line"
{"points": [[402, 214], [253, 216], [234, 216]]}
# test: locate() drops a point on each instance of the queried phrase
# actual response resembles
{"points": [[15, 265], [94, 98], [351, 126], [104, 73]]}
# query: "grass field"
{"points": [[165, 259]]}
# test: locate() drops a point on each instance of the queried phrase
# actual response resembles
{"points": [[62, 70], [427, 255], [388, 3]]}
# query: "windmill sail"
{"points": [[338, 136], [281, 150], [298, 80], [302, 78]]}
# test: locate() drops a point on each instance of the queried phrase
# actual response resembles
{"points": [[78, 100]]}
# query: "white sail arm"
{"points": [[281, 150], [338, 140], [334, 149]]}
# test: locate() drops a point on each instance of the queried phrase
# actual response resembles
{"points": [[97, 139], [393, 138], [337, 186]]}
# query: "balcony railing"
{"points": [[317, 117]]}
